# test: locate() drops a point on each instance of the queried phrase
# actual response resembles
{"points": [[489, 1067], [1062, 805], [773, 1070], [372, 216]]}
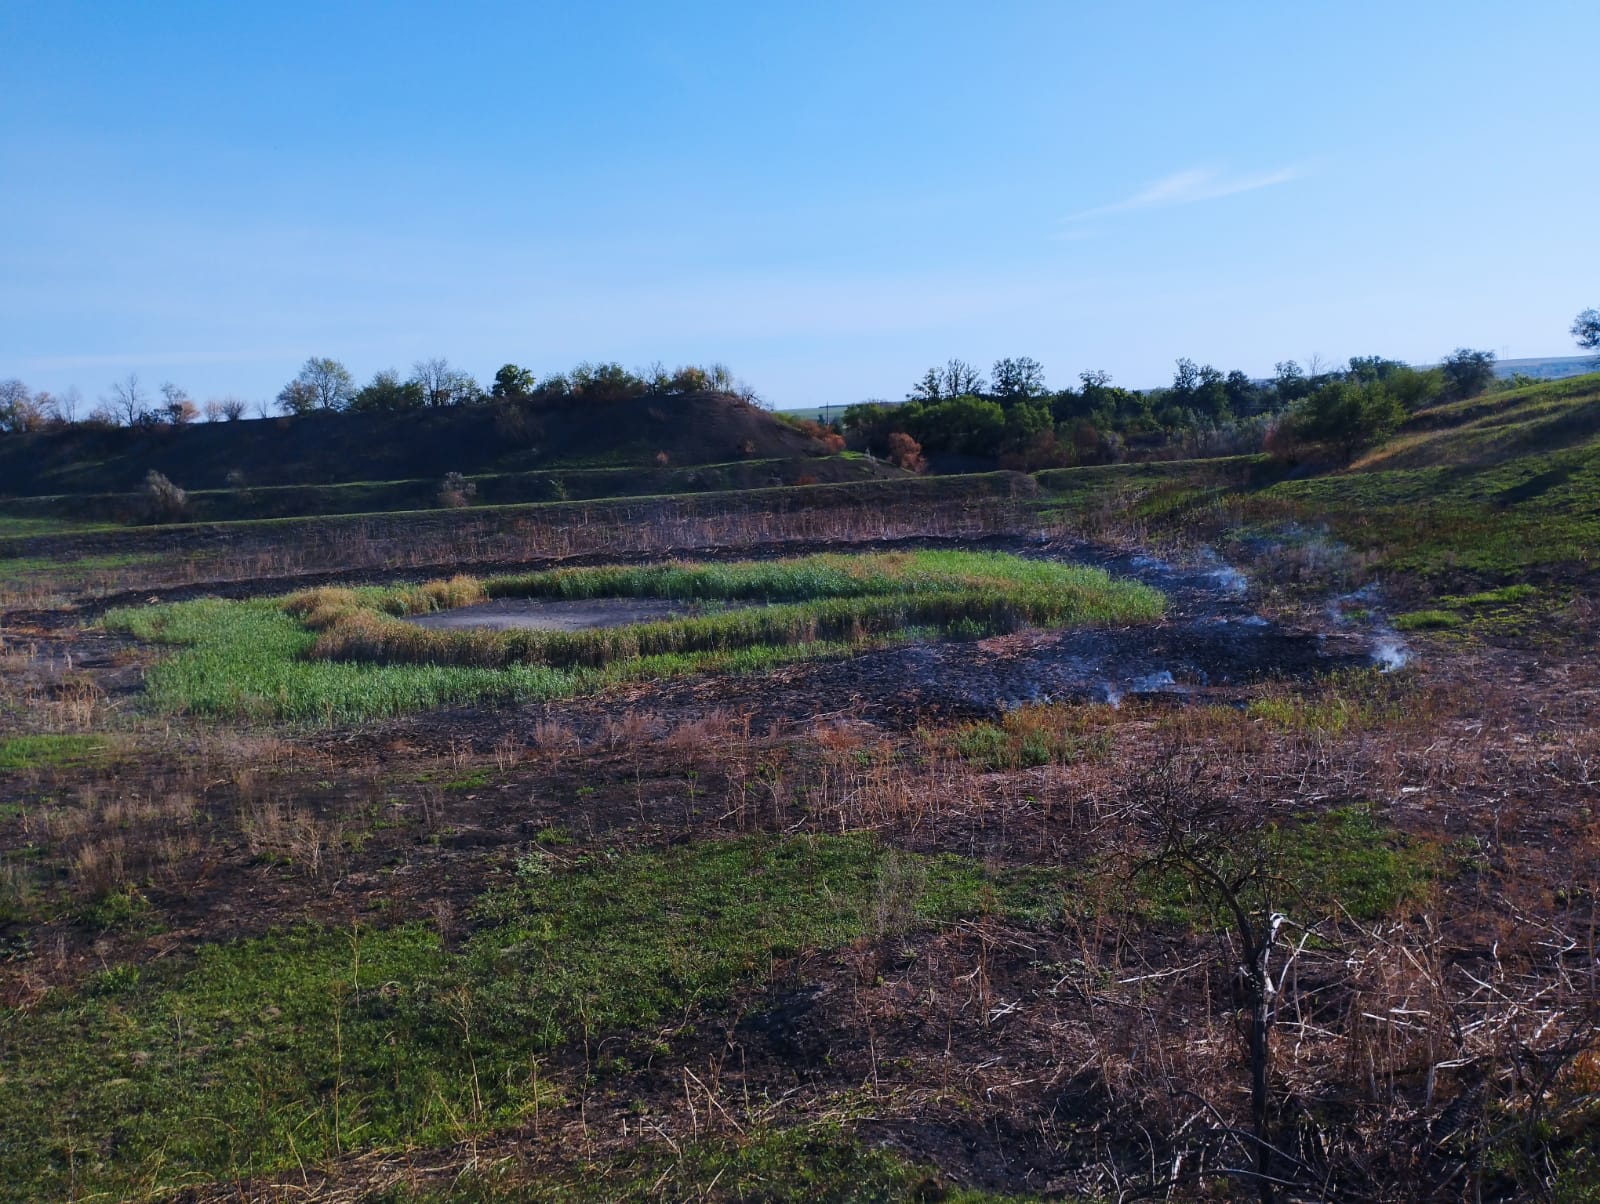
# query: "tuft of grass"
{"points": [[1427, 620], [1505, 596]]}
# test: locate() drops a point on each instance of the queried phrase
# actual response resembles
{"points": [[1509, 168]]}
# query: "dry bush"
{"points": [[292, 833], [631, 729], [99, 865], [460, 590], [905, 452], [163, 501], [699, 735], [456, 491], [552, 736], [323, 606], [508, 750]]}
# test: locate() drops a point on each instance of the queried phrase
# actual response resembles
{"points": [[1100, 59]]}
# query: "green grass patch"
{"points": [[1027, 737], [344, 654], [1345, 860], [50, 751], [286, 1050], [26, 526], [1494, 487], [812, 1164], [1507, 595], [20, 568], [1427, 620], [251, 661]]}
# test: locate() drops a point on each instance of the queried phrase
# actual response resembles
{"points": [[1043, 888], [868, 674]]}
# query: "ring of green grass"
{"points": [[346, 654]]}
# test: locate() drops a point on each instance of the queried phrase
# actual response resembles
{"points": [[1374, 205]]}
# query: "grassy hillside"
{"points": [[325, 449], [1499, 487]]}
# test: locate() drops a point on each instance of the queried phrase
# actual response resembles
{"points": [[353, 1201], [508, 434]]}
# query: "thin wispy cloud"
{"points": [[1188, 188]]}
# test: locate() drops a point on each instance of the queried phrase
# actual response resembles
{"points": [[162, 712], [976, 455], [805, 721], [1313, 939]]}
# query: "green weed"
{"points": [[50, 751]]}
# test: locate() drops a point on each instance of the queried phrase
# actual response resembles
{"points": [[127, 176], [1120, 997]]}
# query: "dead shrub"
{"points": [[905, 452], [552, 736], [455, 491], [163, 501], [631, 729], [696, 735], [98, 866]]}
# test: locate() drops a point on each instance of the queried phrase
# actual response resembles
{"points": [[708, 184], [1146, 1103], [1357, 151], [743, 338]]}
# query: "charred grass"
{"points": [[694, 949], [596, 949]]}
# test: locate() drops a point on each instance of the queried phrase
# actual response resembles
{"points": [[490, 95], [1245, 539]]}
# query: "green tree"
{"points": [[1243, 397], [929, 388], [1366, 368], [1415, 388], [956, 379], [1586, 329], [604, 382], [1290, 383], [323, 384], [1025, 422], [1201, 389], [297, 397], [20, 408], [1467, 372], [1020, 377], [513, 383], [386, 392], [1347, 415], [971, 425]]}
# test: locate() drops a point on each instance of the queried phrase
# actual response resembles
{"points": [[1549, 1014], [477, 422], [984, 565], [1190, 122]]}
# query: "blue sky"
{"points": [[829, 197]]}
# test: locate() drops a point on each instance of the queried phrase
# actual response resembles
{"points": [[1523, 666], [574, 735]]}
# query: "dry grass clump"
{"points": [[460, 590], [322, 607], [327, 606]]}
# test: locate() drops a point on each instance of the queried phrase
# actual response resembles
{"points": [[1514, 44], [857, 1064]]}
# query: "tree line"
{"points": [[326, 385], [1011, 414]]}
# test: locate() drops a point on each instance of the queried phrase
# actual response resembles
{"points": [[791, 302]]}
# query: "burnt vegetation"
{"points": [[1194, 800]]}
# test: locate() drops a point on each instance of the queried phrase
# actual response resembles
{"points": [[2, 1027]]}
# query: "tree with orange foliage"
{"points": [[905, 452]]}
